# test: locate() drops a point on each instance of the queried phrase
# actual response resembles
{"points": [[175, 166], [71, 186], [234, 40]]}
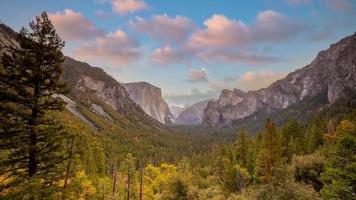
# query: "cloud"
{"points": [[189, 98], [250, 80], [339, 5], [219, 31], [233, 56], [335, 5], [197, 75], [253, 80], [165, 55], [73, 26], [222, 32], [165, 28], [123, 7], [272, 26], [116, 48]]}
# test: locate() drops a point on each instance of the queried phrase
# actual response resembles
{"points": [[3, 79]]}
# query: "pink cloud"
{"points": [[123, 7], [165, 55], [197, 75], [162, 27], [116, 48], [73, 26], [221, 31], [253, 80], [233, 56], [273, 26], [250, 80], [339, 5]]}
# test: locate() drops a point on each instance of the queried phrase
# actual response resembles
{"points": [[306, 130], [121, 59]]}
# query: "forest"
{"points": [[48, 153]]}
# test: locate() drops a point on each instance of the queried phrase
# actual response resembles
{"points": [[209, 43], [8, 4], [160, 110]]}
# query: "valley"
{"points": [[70, 130]]}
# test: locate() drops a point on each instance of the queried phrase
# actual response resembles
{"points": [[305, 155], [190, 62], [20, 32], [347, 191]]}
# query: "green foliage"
{"points": [[307, 169], [30, 79], [293, 138], [270, 152], [242, 148], [339, 177], [283, 186], [314, 134]]}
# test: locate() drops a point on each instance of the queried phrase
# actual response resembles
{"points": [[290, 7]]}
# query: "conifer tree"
{"points": [[271, 151], [242, 148], [30, 82]]}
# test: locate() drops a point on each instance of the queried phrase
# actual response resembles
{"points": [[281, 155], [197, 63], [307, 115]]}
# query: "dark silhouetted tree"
{"points": [[30, 82]]}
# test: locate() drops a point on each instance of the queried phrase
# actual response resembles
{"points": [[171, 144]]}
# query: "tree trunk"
{"points": [[128, 186], [141, 184], [69, 164]]}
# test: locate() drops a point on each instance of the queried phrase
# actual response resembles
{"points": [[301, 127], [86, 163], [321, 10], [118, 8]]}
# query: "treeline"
{"points": [[47, 153], [316, 161]]}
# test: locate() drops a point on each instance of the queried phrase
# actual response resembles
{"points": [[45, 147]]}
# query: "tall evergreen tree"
{"points": [[293, 138], [315, 133], [30, 82], [242, 148], [271, 151]]}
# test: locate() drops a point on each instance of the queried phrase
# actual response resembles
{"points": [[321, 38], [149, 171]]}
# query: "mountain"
{"points": [[176, 110], [95, 96], [149, 97], [193, 115], [330, 76], [95, 89]]}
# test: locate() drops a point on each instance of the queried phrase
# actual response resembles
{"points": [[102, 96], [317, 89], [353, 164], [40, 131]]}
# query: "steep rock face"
{"points": [[7, 37], [94, 90], [333, 72], [176, 110], [84, 79], [193, 115], [150, 99]]}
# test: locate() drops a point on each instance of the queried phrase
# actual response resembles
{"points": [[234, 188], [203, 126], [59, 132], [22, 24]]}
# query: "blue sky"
{"points": [[193, 48]]}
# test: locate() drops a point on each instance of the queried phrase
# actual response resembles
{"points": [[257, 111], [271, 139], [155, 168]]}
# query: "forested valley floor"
{"points": [[48, 153]]}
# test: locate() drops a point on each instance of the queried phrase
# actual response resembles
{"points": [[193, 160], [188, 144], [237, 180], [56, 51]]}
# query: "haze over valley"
{"points": [[178, 100]]}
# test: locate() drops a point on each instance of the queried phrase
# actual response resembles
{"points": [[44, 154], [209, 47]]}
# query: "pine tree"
{"points": [[242, 148], [30, 82], [270, 153], [315, 133]]}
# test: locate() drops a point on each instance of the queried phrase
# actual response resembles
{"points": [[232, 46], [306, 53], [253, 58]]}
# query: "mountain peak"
{"points": [[331, 75]]}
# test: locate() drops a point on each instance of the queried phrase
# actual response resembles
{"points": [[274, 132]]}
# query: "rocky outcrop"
{"points": [[333, 72], [149, 97], [176, 110], [93, 89], [193, 115]]}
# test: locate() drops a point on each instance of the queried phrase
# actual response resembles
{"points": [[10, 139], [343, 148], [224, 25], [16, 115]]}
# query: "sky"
{"points": [[192, 49]]}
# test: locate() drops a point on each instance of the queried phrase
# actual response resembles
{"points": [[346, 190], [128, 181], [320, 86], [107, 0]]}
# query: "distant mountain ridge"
{"points": [[149, 97], [193, 115], [330, 76]]}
